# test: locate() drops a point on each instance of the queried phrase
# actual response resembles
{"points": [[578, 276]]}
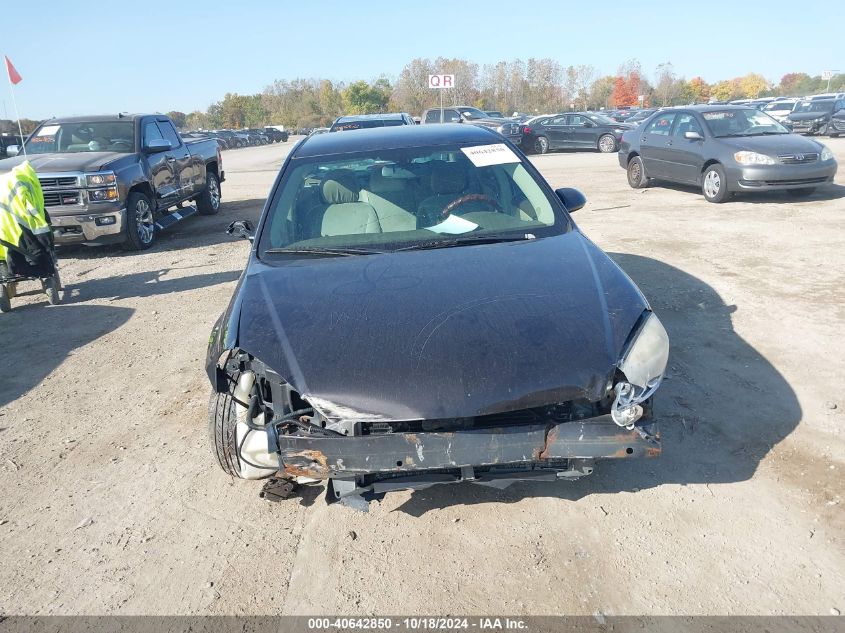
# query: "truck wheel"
{"points": [[140, 222], [714, 184], [209, 202], [607, 143], [5, 299]]}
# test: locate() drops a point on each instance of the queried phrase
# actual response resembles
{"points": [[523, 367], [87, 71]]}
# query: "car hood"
{"points": [[441, 333], [808, 116], [775, 144], [73, 161]]}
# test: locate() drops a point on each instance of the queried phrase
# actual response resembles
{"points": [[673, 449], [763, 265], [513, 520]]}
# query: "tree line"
{"points": [[532, 86]]}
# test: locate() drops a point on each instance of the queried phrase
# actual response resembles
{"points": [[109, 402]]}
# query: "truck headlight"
{"points": [[103, 195], [753, 158], [643, 365], [826, 153], [98, 180]]}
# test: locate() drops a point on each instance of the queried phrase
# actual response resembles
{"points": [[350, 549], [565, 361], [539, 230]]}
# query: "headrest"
{"points": [[340, 187], [380, 184], [448, 178]]}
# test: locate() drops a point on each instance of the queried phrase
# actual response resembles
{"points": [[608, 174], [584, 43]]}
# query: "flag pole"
{"points": [[17, 114]]}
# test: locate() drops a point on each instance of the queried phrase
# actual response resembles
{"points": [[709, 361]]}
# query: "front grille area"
{"points": [[62, 181], [58, 198], [798, 159], [797, 181]]}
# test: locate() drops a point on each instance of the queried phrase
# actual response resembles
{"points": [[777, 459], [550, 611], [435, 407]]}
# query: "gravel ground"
{"points": [[110, 502]]}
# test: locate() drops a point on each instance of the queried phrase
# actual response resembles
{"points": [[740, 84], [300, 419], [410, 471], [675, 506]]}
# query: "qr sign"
{"points": [[441, 81]]}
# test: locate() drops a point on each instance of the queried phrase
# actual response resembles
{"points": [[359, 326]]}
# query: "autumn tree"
{"points": [[752, 84]]}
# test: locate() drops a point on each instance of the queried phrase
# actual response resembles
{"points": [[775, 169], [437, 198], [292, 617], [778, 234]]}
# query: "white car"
{"points": [[779, 110]]}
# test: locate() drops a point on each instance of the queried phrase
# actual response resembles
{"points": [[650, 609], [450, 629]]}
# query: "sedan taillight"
{"points": [[526, 129]]}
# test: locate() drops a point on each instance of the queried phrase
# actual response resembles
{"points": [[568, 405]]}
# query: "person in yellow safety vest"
{"points": [[26, 235]]}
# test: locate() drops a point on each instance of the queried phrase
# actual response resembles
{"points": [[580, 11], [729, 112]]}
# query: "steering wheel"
{"points": [[472, 197]]}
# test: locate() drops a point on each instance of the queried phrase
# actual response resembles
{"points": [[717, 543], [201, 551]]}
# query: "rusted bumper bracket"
{"points": [[592, 438]]}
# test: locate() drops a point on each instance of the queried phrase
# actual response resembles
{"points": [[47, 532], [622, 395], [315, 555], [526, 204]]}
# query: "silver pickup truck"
{"points": [[120, 178]]}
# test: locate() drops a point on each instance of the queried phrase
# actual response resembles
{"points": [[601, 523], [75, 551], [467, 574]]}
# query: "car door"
{"points": [[655, 145], [161, 169], [684, 156], [581, 131], [184, 171], [553, 129]]}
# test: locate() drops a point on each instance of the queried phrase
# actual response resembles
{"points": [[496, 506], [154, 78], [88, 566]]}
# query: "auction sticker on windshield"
{"points": [[486, 155]]}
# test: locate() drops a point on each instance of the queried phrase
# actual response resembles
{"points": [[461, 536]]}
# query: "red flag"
{"points": [[14, 76]]}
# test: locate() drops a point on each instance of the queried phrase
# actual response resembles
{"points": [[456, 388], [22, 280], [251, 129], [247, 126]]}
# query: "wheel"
{"points": [[5, 299], [607, 143], [140, 222], [541, 145], [803, 192], [221, 432], [834, 135], [636, 173], [209, 201], [714, 185], [52, 287]]}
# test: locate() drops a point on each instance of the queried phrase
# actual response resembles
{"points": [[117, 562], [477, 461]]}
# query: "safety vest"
{"points": [[21, 206]]}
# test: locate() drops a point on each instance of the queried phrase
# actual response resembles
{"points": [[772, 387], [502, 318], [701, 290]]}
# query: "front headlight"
{"points": [[98, 180], [753, 158], [826, 153], [103, 195], [644, 365]]}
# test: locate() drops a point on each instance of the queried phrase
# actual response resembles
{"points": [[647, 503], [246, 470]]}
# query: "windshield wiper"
{"points": [[321, 251], [462, 241]]}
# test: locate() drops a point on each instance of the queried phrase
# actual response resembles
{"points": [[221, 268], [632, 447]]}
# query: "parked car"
{"points": [[318, 130], [6, 140], [812, 116], [639, 116], [508, 128], [234, 140], [495, 113], [482, 336], [365, 121], [837, 124], [724, 149], [121, 178], [573, 130], [277, 135], [779, 110]]}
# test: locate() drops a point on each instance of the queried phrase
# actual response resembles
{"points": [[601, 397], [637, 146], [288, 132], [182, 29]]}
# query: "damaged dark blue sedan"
{"points": [[419, 308]]}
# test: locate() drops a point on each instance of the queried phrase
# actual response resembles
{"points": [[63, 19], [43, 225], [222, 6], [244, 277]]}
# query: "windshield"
{"points": [[601, 119], [99, 136], [364, 124], [741, 122], [779, 106], [814, 106], [407, 198], [473, 113]]}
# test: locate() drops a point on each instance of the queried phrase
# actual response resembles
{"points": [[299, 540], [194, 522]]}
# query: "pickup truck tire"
{"points": [[140, 222], [209, 201]]}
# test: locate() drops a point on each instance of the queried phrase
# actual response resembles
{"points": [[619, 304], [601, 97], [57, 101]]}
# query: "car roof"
{"points": [[394, 138], [369, 117], [710, 108], [101, 117]]}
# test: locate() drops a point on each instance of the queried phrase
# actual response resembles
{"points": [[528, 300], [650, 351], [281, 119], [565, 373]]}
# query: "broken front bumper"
{"points": [[524, 446]]}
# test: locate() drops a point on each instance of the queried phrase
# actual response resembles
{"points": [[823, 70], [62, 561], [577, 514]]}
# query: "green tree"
{"points": [[362, 98], [178, 118]]}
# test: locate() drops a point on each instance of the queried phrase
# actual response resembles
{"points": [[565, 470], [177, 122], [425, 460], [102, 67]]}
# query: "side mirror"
{"points": [[241, 228], [158, 145], [693, 136], [12, 150], [571, 198]]}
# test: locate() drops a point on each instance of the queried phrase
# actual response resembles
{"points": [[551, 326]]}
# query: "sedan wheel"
{"points": [[607, 144], [714, 185], [636, 173], [541, 145]]}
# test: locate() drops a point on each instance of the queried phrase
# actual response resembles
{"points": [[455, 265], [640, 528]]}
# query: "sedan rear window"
{"points": [[400, 198]]}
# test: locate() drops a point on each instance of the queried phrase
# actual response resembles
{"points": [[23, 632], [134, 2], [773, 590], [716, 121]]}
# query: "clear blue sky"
{"points": [[96, 57]]}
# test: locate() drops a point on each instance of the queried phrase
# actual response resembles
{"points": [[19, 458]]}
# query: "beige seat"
{"points": [[344, 213], [391, 198]]}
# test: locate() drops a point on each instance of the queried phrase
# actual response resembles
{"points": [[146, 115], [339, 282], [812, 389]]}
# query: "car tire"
{"points": [[5, 299], [209, 201], [221, 432], [637, 177], [803, 192], [140, 222], [834, 135], [714, 184], [607, 144], [541, 145]]}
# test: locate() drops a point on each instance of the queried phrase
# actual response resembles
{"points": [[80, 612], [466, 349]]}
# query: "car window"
{"points": [[558, 120], [449, 116], [151, 133], [577, 119], [390, 199], [686, 122], [661, 124], [169, 133], [95, 136]]}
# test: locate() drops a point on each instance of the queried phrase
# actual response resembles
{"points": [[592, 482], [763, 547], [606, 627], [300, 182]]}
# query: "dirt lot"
{"points": [[110, 501]]}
